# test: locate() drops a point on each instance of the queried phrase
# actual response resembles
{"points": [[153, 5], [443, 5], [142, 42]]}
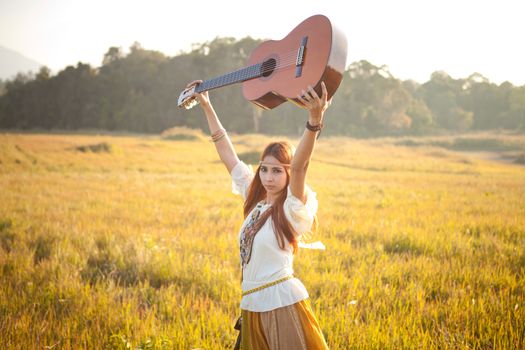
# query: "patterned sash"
{"points": [[257, 220]]}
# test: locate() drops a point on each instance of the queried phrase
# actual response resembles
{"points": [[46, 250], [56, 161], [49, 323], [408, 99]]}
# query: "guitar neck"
{"points": [[237, 76]]}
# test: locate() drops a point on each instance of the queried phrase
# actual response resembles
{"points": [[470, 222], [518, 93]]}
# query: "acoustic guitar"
{"points": [[278, 70]]}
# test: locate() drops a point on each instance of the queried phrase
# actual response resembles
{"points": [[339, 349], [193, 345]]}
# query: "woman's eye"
{"points": [[276, 171], [263, 169]]}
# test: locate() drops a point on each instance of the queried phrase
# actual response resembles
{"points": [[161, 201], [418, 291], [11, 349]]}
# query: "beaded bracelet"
{"points": [[314, 128]]}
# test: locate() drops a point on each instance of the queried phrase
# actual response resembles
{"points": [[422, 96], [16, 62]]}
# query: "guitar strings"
{"points": [[284, 61]]}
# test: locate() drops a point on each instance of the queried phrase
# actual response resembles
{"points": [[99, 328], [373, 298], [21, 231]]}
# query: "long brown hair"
{"points": [[282, 151]]}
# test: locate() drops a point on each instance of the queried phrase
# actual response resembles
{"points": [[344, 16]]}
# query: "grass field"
{"points": [[129, 242]]}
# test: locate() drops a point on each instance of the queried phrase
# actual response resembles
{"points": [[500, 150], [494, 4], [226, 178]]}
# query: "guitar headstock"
{"points": [[187, 98]]}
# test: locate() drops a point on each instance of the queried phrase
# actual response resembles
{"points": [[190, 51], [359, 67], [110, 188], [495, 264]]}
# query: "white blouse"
{"points": [[268, 262]]}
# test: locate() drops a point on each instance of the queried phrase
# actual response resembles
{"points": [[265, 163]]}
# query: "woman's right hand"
{"points": [[203, 97]]}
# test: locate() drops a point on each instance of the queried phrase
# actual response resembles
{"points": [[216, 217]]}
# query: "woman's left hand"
{"points": [[314, 104]]}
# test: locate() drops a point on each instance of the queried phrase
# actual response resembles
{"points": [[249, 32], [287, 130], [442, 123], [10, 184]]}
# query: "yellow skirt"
{"points": [[290, 327]]}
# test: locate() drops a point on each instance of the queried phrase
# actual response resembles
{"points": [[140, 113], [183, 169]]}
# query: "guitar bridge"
{"points": [[300, 57]]}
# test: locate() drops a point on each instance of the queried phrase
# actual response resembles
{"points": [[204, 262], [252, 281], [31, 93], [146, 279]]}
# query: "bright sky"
{"points": [[412, 37]]}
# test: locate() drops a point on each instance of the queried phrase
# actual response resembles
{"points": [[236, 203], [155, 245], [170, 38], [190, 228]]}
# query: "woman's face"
{"points": [[273, 175]]}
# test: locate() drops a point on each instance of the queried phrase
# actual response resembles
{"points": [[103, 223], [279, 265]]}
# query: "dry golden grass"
{"points": [[117, 242]]}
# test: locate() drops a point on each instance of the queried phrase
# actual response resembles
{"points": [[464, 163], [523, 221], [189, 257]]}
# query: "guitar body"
{"points": [[279, 70], [324, 60]]}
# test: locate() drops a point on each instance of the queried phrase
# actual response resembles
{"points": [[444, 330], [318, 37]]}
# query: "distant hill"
{"points": [[12, 62]]}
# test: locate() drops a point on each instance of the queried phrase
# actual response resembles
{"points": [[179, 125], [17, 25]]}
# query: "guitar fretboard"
{"points": [[238, 76]]}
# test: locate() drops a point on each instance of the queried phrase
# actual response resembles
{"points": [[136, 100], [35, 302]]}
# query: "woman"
{"points": [[279, 208]]}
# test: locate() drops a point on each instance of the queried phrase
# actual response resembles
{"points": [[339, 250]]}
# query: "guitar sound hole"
{"points": [[268, 67]]}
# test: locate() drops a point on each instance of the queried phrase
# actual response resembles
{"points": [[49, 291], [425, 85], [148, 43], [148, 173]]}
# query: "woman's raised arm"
{"points": [[316, 106], [220, 137]]}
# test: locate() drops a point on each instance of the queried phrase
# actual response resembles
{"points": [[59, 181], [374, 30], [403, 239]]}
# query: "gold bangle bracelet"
{"points": [[217, 135], [220, 137]]}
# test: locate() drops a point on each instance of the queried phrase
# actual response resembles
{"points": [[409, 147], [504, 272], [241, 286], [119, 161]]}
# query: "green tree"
{"points": [[375, 103], [16, 105], [487, 101], [516, 116], [114, 54], [442, 95], [420, 115]]}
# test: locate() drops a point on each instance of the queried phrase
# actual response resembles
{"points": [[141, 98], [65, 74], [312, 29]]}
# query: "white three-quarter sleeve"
{"points": [[301, 215], [242, 176]]}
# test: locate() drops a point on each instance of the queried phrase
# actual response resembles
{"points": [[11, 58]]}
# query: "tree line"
{"points": [[138, 92]]}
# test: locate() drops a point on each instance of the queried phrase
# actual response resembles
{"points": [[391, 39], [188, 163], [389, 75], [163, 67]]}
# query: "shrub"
{"points": [[103, 147], [183, 133]]}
